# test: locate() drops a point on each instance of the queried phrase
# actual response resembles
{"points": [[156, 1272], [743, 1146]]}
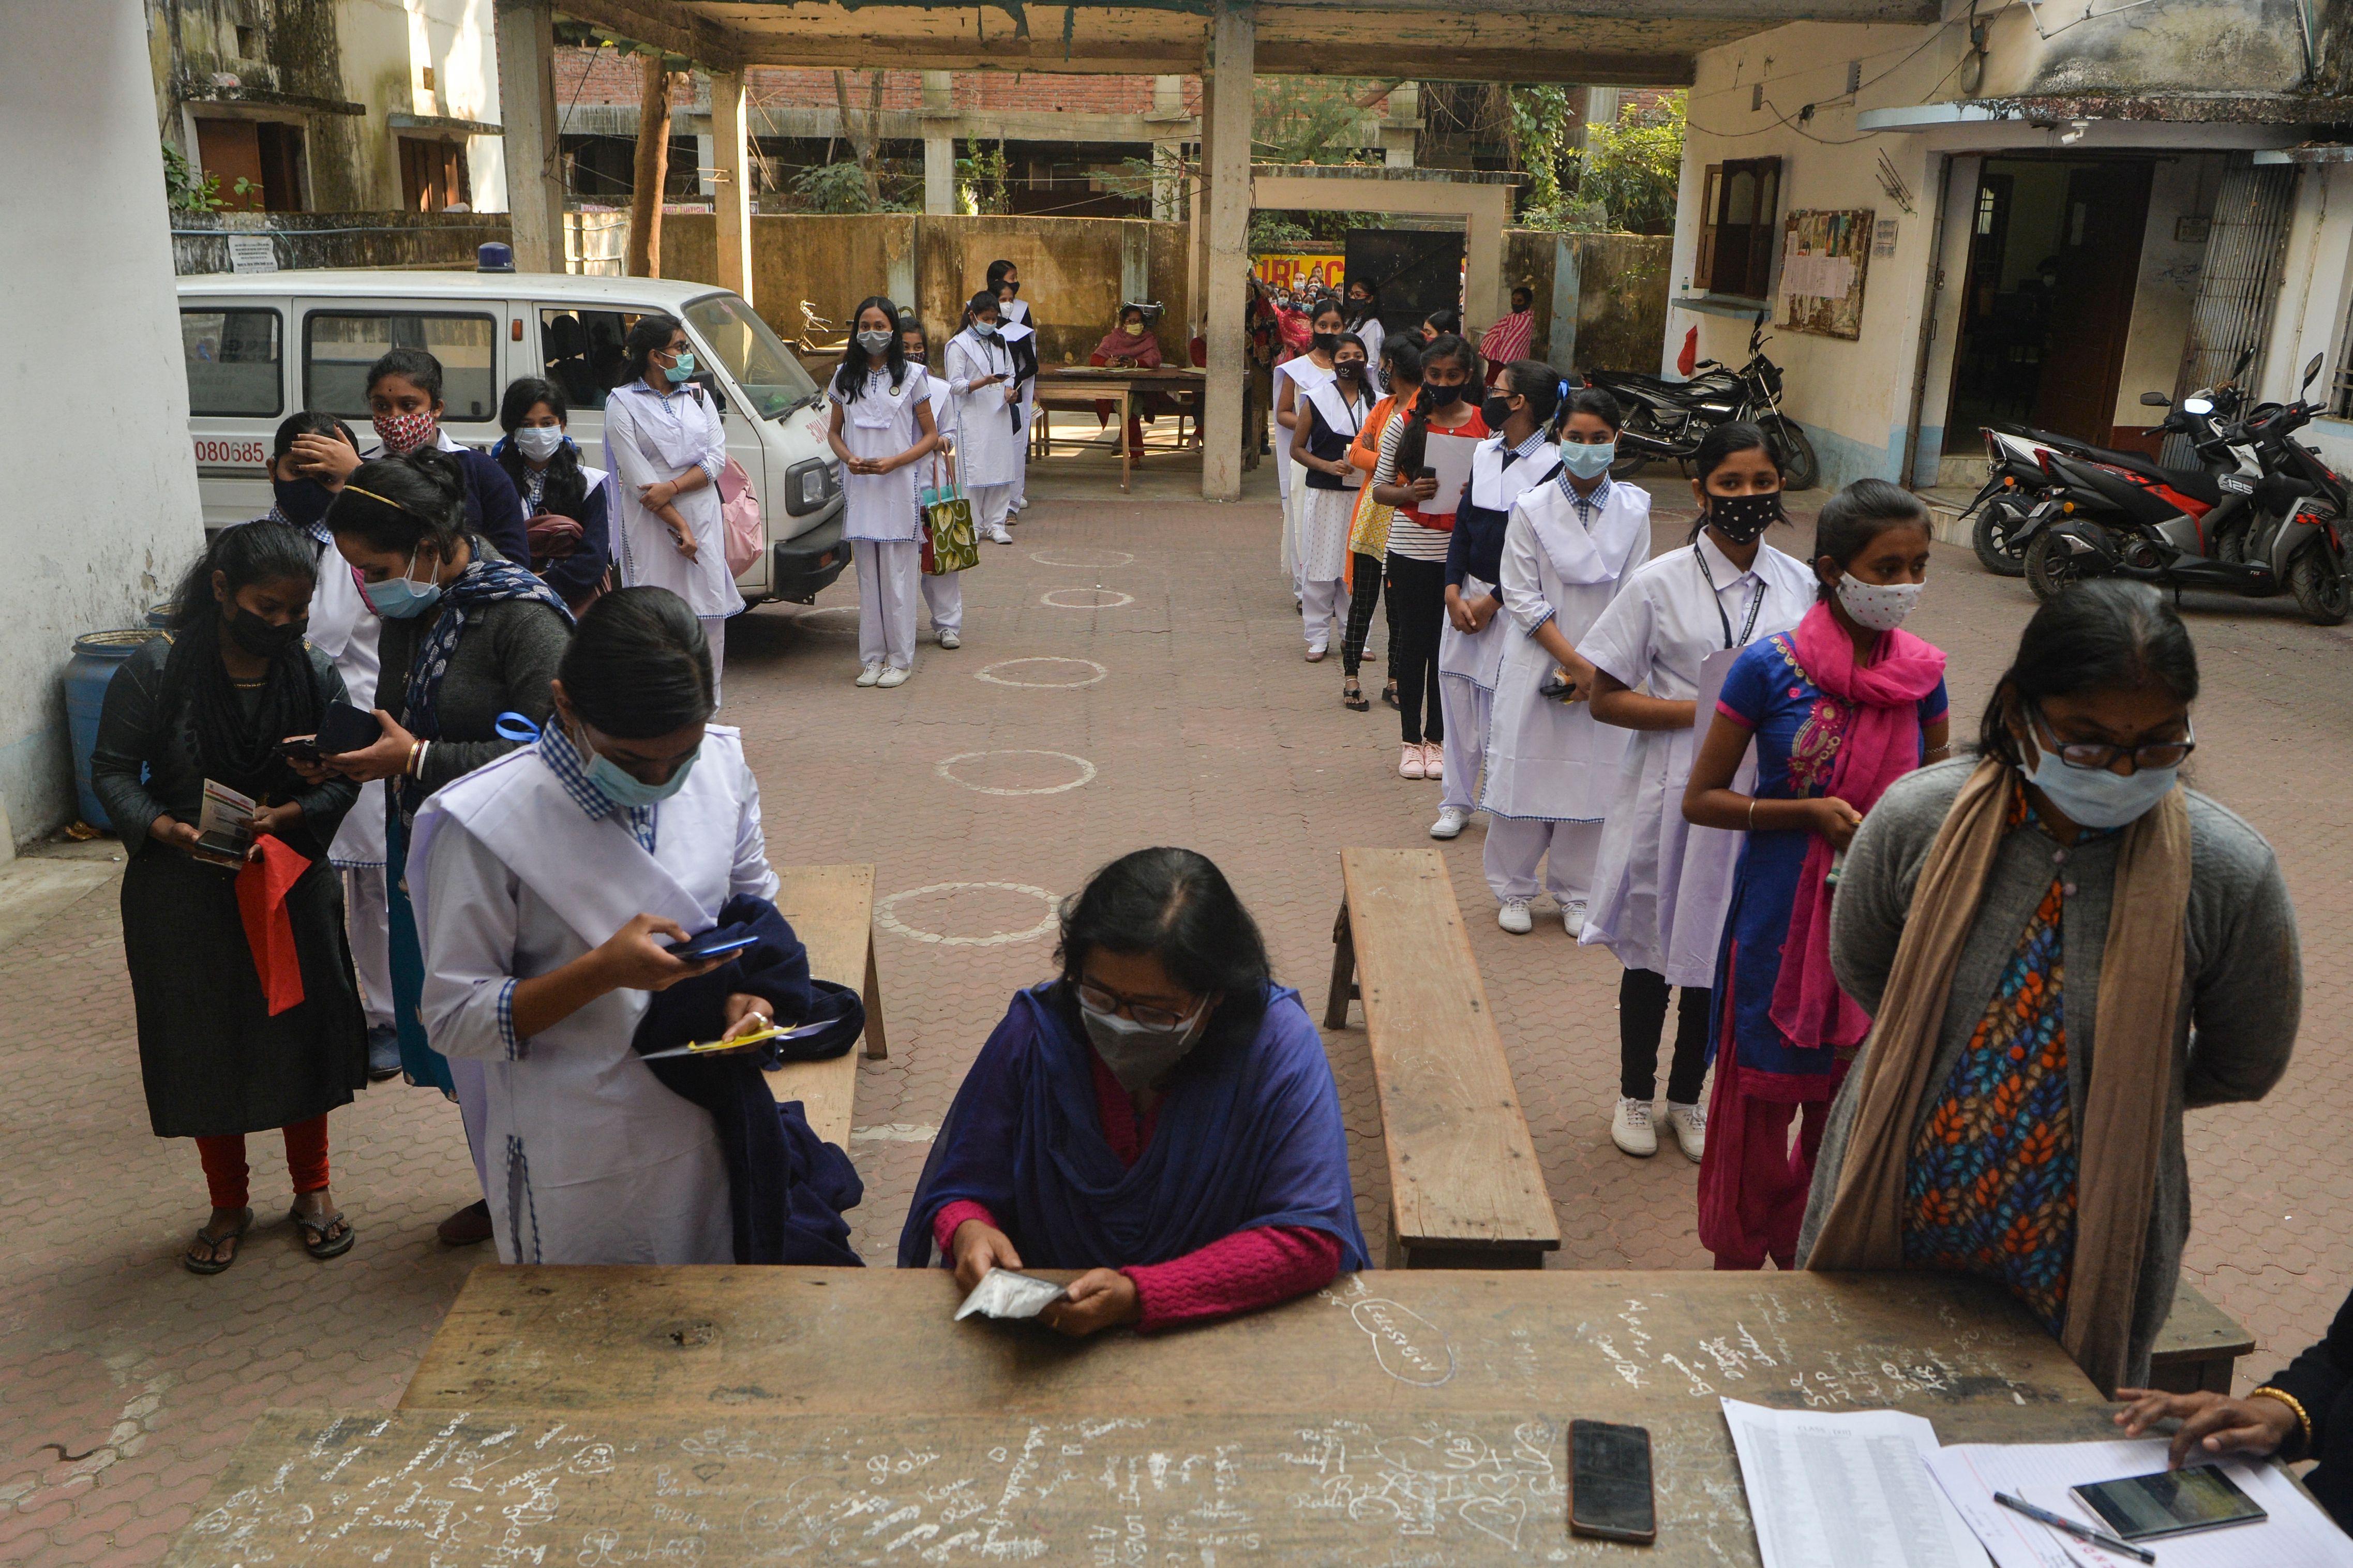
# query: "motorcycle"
{"points": [[2016, 482], [2280, 528], [1668, 418]]}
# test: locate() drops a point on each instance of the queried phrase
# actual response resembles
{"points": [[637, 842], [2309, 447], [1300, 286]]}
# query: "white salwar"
{"points": [[1659, 629], [1325, 516], [1552, 770], [650, 437], [1016, 314], [590, 1159], [880, 512], [346, 630], [989, 440], [1290, 477], [942, 591], [1469, 663]]}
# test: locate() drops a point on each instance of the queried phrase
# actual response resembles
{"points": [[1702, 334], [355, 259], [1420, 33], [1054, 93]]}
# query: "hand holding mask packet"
{"points": [[1008, 1293]]}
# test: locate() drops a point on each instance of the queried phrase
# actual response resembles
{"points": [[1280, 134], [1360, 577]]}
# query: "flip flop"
{"points": [[213, 1262], [1356, 701], [321, 1238]]}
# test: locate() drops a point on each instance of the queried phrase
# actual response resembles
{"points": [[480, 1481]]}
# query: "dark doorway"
{"points": [[1417, 270], [2054, 252]]}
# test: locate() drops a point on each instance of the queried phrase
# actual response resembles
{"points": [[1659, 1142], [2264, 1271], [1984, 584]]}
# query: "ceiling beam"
{"points": [[680, 29]]}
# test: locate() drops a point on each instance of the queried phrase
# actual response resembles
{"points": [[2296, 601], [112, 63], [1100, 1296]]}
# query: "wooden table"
{"points": [[726, 1416], [1084, 386]]}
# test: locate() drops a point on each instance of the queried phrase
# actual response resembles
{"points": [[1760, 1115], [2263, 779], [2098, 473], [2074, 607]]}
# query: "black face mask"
{"points": [[1434, 398], [1743, 519], [1349, 370], [258, 637], [1495, 411], [1326, 342], [304, 502]]}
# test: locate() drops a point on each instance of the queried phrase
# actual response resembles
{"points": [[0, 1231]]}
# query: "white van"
{"points": [[261, 345]]}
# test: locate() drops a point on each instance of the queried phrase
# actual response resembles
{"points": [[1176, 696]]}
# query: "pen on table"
{"points": [[2081, 1531]]}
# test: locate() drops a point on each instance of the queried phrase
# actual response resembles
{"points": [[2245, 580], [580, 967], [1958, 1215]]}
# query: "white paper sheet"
{"points": [[1846, 1490], [2297, 1535], [1450, 455]]}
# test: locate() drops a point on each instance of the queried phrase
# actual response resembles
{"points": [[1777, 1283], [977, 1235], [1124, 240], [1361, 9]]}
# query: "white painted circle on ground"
{"points": [[976, 897], [1084, 558], [1098, 598], [834, 620], [946, 768], [987, 672]]}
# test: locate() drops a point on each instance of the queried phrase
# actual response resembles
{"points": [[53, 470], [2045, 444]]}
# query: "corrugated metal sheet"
{"points": [[2246, 249]]}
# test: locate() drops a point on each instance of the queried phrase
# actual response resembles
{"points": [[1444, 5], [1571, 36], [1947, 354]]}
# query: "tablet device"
{"points": [[709, 944], [2169, 1502]]}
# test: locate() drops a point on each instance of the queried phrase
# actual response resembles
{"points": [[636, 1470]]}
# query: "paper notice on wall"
{"points": [[252, 253], [1817, 276]]}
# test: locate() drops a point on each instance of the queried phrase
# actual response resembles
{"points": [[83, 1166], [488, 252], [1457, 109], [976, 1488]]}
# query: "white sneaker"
{"points": [[950, 639], [1572, 917], [1513, 917], [1449, 822], [1690, 1123], [871, 674], [998, 536], [1631, 1129], [894, 676]]}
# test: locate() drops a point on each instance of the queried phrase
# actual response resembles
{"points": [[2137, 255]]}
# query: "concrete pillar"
{"points": [[1234, 41], [730, 181], [1482, 260], [1197, 210], [939, 142], [1401, 125], [1168, 155], [528, 114]]}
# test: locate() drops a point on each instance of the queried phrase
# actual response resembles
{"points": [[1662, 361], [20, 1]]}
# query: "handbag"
{"points": [[950, 541], [739, 516]]}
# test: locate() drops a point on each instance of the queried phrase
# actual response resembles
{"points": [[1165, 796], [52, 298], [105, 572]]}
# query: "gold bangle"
{"points": [[2293, 1403], [1752, 814]]}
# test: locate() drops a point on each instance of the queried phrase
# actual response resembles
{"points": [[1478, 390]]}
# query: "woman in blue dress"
{"points": [[1838, 708]]}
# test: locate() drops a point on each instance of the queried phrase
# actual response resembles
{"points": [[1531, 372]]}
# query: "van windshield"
{"points": [[770, 377]]}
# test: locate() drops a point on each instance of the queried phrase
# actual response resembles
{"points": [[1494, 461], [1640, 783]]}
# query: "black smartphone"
{"points": [[709, 944], [1425, 472], [346, 728], [299, 748], [2169, 1502], [1609, 1483]]}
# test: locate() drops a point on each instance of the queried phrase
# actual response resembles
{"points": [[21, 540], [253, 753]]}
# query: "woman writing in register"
{"points": [[1161, 1116]]}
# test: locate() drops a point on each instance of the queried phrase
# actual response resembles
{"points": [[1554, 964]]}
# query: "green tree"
{"points": [[1537, 129], [185, 190], [1634, 167], [840, 188]]}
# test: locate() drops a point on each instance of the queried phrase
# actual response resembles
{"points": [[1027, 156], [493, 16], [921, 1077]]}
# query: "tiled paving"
{"points": [[1203, 727]]}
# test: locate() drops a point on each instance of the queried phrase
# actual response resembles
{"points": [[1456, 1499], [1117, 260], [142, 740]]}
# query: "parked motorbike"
{"points": [[2017, 483], [2280, 528], [1668, 418]]}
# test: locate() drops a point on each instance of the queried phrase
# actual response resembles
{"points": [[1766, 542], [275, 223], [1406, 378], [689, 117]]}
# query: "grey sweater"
{"points": [[503, 663], [2242, 990]]}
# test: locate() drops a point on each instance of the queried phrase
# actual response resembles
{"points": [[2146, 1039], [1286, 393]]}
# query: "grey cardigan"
{"points": [[2242, 982]]}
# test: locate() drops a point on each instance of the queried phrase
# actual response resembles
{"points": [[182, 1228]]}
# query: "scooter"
{"points": [[1669, 418], [2016, 483], [2284, 524]]}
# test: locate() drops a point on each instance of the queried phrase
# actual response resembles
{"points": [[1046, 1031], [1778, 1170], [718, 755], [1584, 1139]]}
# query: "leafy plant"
{"points": [[1569, 214], [185, 190], [1274, 231], [840, 188], [1310, 119], [1537, 129], [1634, 166], [983, 182]]}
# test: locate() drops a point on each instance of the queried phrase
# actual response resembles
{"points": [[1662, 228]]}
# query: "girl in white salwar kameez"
{"points": [[1329, 418], [989, 428], [881, 427], [547, 885], [664, 444], [1656, 904], [1295, 380], [1552, 772], [1470, 644], [1019, 330], [942, 591]]}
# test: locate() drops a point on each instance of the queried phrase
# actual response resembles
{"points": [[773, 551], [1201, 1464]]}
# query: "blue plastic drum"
{"points": [[96, 656]]}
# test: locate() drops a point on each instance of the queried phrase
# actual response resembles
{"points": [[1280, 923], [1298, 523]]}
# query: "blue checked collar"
{"points": [[1527, 449], [570, 770], [1588, 507]]}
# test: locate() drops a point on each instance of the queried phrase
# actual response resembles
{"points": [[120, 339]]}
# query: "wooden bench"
{"points": [[2200, 1346], [831, 908], [1465, 1190]]}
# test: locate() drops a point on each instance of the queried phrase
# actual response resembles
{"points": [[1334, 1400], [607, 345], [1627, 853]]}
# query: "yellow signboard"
{"points": [[1301, 274]]}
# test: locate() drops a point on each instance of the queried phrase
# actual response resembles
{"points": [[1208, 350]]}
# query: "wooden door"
{"points": [[2091, 306]]}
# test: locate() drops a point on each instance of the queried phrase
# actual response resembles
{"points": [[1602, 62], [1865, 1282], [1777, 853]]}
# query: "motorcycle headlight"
{"points": [[2197, 406]]}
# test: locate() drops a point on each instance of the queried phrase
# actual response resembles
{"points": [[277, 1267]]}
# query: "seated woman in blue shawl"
{"points": [[1161, 1116]]}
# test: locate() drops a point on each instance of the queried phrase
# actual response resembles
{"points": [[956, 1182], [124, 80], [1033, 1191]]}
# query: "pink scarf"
{"points": [[1881, 743]]}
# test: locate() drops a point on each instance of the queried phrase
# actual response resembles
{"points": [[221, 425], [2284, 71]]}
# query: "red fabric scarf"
{"points": [[261, 888], [1881, 743]]}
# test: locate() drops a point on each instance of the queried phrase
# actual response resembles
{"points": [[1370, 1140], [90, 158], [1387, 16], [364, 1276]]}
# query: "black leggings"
{"points": [[1364, 593], [1417, 613], [1641, 1019]]}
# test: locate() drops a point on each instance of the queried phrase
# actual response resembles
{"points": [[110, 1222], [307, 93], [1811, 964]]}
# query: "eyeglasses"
{"points": [[1104, 1003], [2098, 755]]}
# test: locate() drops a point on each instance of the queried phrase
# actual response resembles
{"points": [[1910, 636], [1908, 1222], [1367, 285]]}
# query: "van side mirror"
{"points": [[2154, 400], [2311, 369]]}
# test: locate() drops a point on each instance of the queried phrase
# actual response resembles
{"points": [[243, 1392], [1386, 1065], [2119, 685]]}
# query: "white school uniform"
{"points": [[346, 630], [1468, 663], [1015, 315], [942, 591], [1552, 770], [988, 437], [650, 436], [879, 512], [1658, 630], [1304, 375], [589, 1158]]}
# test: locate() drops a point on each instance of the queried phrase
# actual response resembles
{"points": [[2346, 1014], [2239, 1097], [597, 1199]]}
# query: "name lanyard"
{"points": [[1717, 598]]}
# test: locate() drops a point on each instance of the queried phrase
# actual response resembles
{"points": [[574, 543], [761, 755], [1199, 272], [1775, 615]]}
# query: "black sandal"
{"points": [[1389, 693], [213, 1260], [322, 1239], [1352, 698]]}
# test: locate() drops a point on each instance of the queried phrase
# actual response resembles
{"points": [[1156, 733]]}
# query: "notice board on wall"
{"points": [[1824, 257]]}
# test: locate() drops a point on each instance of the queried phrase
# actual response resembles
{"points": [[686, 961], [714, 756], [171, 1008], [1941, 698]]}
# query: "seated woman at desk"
{"points": [[1161, 1116], [1130, 346]]}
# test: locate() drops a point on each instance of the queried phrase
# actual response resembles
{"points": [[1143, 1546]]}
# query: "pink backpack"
{"points": [[739, 517]]}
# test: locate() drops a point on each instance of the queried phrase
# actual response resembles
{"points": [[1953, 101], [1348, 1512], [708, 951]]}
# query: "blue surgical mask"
{"points": [[399, 598], [1140, 1054], [1587, 462], [2095, 797], [682, 371], [625, 789]]}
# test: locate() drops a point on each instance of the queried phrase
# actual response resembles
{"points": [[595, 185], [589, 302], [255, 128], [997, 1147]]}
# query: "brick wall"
{"points": [[607, 77]]}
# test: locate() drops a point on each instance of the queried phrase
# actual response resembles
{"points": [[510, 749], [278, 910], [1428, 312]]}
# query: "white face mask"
{"points": [[539, 442], [1877, 606]]}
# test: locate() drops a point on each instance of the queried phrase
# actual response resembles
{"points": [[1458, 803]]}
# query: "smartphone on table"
{"points": [[1609, 1483], [2169, 1502]]}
